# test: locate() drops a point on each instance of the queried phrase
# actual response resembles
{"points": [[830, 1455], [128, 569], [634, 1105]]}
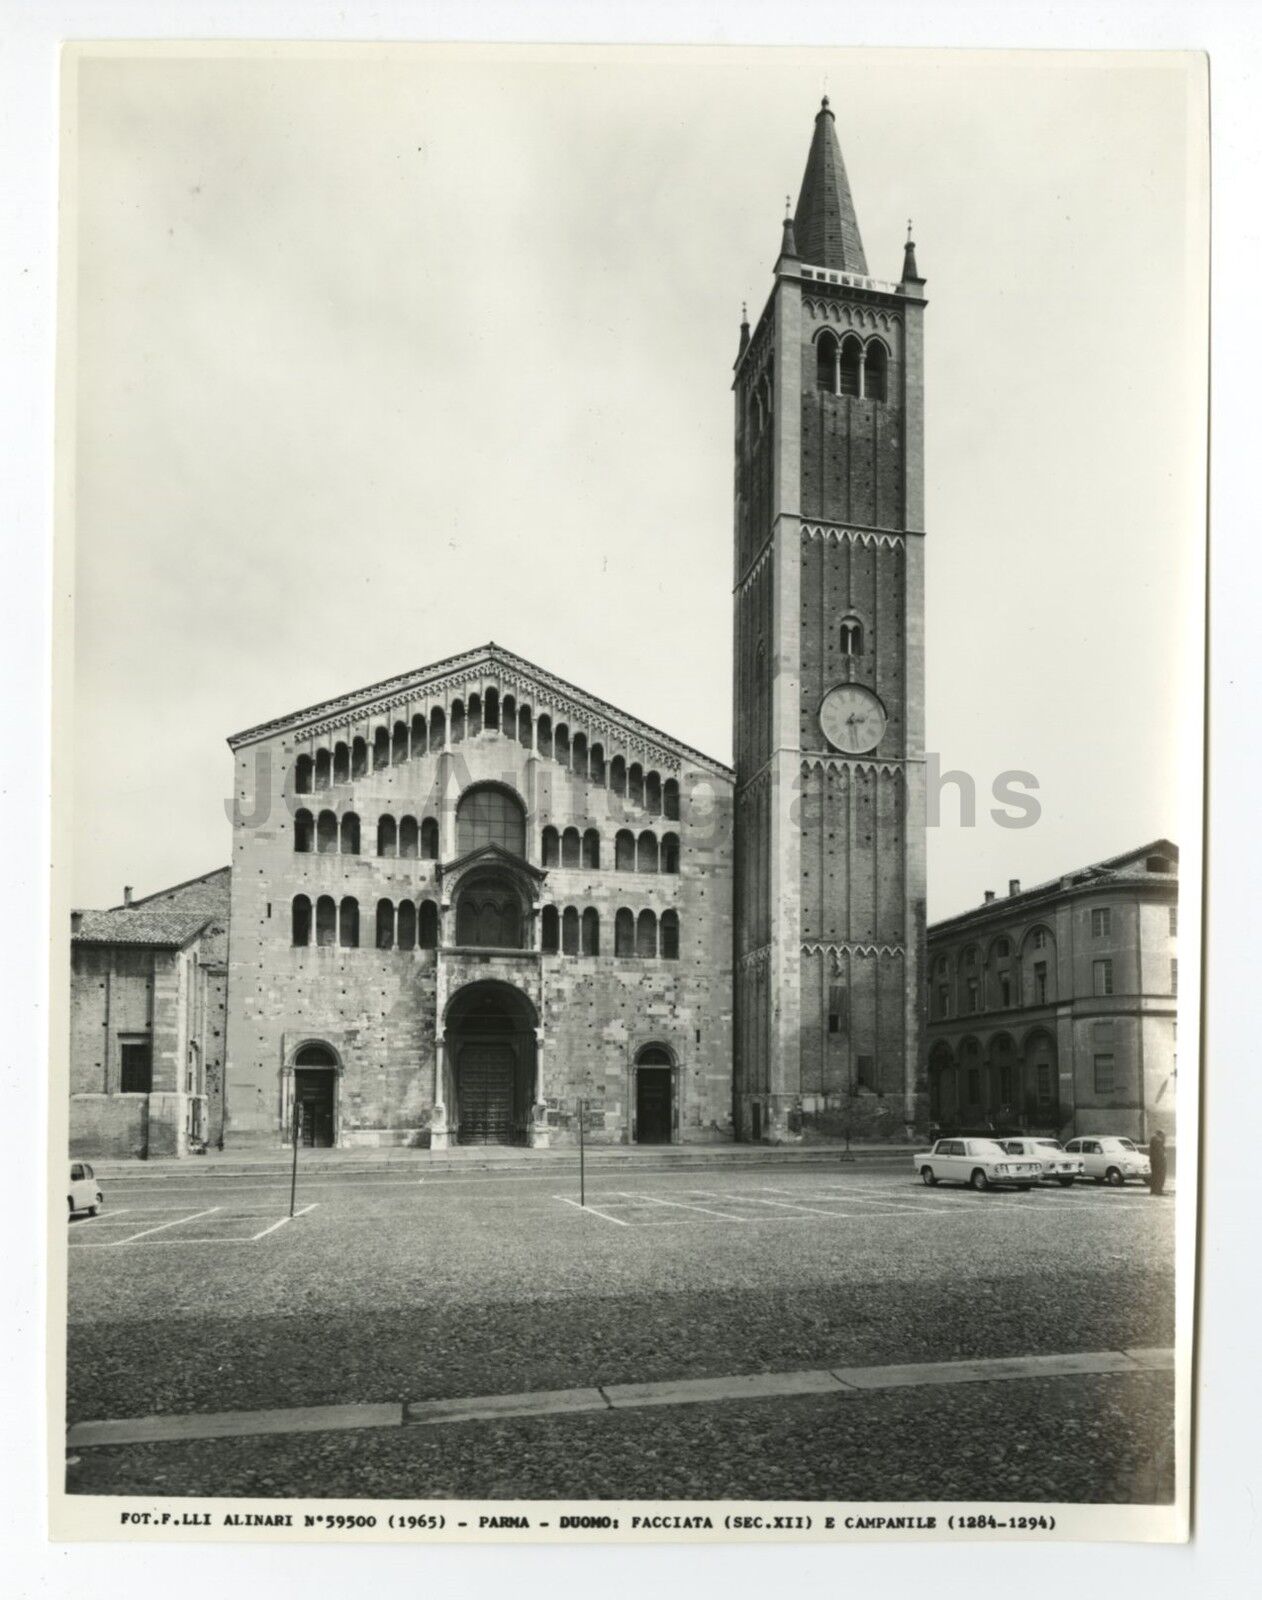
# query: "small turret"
{"points": [[788, 240], [910, 272], [744, 344]]}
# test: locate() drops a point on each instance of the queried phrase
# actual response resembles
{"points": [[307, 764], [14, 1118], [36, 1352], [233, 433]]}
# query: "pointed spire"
{"points": [[825, 223], [910, 273], [744, 344]]}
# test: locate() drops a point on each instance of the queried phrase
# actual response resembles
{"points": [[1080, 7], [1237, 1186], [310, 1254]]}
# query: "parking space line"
{"points": [[680, 1205], [174, 1223], [595, 1210], [788, 1205], [283, 1221]]}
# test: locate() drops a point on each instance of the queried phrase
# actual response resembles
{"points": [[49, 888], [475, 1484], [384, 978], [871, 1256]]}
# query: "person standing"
{"points": [[1157, 1163]]}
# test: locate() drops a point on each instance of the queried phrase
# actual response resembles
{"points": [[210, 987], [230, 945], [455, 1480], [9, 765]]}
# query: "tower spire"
{"points": [[825, 225]]}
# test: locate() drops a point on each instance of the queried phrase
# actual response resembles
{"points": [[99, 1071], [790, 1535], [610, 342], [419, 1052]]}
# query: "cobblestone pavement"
{"points": [[394, 1289]]}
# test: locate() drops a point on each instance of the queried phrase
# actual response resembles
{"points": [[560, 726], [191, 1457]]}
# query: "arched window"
{"points": [[341, 762], [875, 370], [851, 360], [304, 831], [624, 851], [302, 775], [323, 769], [543, 734], [596, 764], [646, 852], [670, 800], [569, 931], [359, 756], [551, 848], [764, 395], [591, 848], [348, 922], [407, 925], [301, 920], [491, 709], [380, 749], [475, 714], [591, 932], [571, 848], [326, 833], [409, 838], [489, 915], [578, 755], [826, 362], [624, 933], [670, 936], [508, 717], [618, 775], [315, 1055], [487, 814], [350, 834], [385, 925], [646, 934], [387, 835], [635, 783], [549, 931], [437, 728], [457, 721], [427, 932], [524, 734], [653, 793], [670, 852], [561, 744], [420, 734], [429, 839], [326, 920], [851, 637]]}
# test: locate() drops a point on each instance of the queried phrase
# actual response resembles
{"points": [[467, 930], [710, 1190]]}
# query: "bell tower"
{"points": [[829, 682]]}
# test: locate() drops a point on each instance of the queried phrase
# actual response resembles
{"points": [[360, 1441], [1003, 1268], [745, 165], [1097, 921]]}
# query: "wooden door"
{"points": [[486, 1093], [653, 1105]]}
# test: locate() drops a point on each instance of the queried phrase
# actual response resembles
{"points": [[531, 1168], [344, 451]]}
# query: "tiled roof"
{"points": [[824, 224], [134, 925]]}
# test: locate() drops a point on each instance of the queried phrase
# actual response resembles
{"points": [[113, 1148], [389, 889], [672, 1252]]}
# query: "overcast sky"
{"points": [[381, 356]]}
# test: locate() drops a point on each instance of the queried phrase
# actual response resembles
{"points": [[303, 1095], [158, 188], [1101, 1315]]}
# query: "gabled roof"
{"points": [[825, 227], [454, 671], [206, 878], [493, 855], [1130, 868], [167, 930]]}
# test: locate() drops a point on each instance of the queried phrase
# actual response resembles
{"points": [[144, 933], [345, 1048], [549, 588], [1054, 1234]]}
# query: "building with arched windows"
{"points": [[465, 899], [1053, 1009]]}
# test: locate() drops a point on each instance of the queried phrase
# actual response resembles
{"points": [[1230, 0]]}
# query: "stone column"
{"points": [[440, 1127], [540, 1136]]}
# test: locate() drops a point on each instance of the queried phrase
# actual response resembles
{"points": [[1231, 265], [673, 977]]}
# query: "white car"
{"points": [[1108, 1158], [84, 1190], [977, 1162], [1055, 1161]]}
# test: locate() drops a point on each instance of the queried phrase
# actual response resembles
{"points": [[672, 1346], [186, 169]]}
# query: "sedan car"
{"points": [[1055, 1161], [1109, 1158], [977, 1162], [84, 1189]]}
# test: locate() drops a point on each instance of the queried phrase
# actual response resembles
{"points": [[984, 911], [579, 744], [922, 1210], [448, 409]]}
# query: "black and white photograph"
{"points": [[628, 792]]}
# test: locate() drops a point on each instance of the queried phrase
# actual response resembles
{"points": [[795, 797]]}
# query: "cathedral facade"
{"points": [[477, 904]]}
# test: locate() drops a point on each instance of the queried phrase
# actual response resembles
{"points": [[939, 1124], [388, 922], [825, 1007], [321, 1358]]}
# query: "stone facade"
{"points": [[148, 1022], [829, 600], [1054, 1009], [394, 948]]}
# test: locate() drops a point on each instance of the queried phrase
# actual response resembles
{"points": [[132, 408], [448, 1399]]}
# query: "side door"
{"points": [[1093, 1158], [953, 1161]]}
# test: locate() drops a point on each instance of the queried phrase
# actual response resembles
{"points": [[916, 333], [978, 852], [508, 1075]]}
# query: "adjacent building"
{"points": [[1054, 1008], [148, 1021]]}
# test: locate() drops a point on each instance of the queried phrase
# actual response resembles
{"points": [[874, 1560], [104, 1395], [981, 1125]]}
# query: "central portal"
{"points": [[491, 1046]]}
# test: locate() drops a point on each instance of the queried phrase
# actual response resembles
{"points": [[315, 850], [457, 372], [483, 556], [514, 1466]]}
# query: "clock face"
{"points": [[852, 719]]}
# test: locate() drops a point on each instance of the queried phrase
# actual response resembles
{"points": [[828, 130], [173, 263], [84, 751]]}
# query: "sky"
{"points": [[379, 355]]}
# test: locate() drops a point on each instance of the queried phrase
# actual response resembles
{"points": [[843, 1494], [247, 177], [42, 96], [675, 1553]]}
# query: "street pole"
{"points": [[293, 1177], [582, 1161]]}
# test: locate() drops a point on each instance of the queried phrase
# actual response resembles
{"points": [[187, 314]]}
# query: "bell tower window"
{"points": [[851, 635]]}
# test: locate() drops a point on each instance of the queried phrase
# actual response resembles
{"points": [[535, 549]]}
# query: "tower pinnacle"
{"points": [[825, 225]]}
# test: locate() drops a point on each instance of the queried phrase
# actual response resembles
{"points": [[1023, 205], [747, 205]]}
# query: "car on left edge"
{"points": [[84, 1190]]}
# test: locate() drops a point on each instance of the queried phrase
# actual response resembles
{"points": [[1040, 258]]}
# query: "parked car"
{"points": [[977, 1162], [85, 1191], [1051, 1155], [1109, 1158]]}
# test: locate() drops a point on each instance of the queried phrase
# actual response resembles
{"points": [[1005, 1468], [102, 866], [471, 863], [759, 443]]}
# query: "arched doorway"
{"points": [[315, 1096], [654, 1095], [491, 1048]]}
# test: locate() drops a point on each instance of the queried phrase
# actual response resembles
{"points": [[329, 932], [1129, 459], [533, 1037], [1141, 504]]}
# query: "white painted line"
{"points": [[680, 1205], [283, 1221], [796, 1205], [836, 1381], [145, 1232], [534, 1403], [595, 1210], [235, 1424]]}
